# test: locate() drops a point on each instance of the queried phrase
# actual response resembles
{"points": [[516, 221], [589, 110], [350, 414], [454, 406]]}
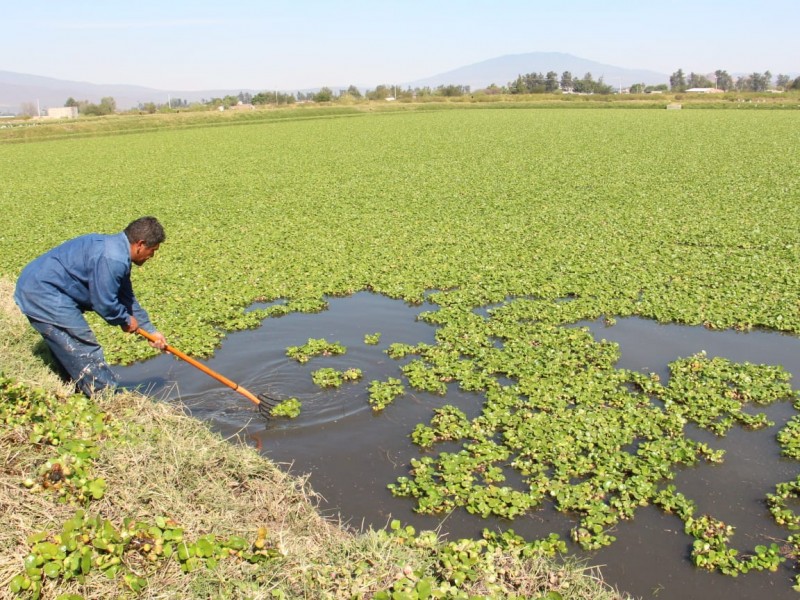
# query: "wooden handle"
{"points": [[185, 357]]}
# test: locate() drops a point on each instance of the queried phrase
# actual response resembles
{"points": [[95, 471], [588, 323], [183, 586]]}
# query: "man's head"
{"points": [[145, 235]]}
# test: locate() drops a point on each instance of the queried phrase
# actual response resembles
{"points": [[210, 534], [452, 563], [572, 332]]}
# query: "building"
{"points": [[705, 90], [63, 112]]}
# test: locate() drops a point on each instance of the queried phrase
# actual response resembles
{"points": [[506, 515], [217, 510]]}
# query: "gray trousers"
{"points": [[76, 349]]}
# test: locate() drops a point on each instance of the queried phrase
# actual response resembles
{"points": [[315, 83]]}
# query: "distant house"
{"points": [[705, 90], [243, 106], [63, 112]]}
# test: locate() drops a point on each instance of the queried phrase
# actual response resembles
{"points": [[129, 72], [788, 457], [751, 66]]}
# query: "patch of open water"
{"points": [[351, 454]]}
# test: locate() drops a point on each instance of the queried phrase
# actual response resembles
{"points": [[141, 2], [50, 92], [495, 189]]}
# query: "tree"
{"points": [[380, 93], [324, 95], [534, 83], [698, 81], [677, 81], [551, 81], [423, 92], [755, 82], [566, 81], [723, 80], [637, 88], [273, 98], [354, 91], [28, 109], [451, 91], [108, 105], [493, 89], [783, 81], [601, 87], [761, 81], [71, 102]]}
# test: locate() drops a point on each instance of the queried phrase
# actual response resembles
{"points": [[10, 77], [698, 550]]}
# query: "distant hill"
{"points": [[505, 69], [19, 88]]}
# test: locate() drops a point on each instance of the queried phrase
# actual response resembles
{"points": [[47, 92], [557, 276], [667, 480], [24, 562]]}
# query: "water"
{"points": [[351, 454]]}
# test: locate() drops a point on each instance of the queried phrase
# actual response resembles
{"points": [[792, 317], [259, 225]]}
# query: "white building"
{"points": [[63, 112]]}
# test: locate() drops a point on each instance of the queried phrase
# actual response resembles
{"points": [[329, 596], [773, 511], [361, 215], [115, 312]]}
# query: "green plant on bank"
{"points": [[67, 431], [89, 542], [383, 393], [464, 561], [73, 429], [314, 347], [289, 408]]}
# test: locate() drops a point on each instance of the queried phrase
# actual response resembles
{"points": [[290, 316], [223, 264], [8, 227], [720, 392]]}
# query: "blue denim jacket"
{"points": [[90, 272]]}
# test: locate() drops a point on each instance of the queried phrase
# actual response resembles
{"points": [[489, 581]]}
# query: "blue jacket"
{"points": [[90, 272]]}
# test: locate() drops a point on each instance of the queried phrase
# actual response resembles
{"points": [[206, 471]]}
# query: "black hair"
{"points": [[147, 230]]}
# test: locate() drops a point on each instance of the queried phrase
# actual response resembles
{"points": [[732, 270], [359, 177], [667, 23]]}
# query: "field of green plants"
{"points": [[546, 217]]}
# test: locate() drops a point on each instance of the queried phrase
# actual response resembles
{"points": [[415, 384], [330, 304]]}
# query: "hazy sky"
{"points": [[296, 44]]}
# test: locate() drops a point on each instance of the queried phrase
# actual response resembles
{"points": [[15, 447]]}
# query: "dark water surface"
{"points": [[352, 454]]}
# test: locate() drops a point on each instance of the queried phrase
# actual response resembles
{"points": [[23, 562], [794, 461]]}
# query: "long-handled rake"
{"points": [[264, 402]]}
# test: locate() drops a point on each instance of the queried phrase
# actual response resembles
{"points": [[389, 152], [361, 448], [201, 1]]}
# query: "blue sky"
{"points": [[296, 44]]}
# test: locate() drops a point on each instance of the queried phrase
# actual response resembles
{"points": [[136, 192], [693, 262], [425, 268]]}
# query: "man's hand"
{"points": [[132, 325], [160, 341]]}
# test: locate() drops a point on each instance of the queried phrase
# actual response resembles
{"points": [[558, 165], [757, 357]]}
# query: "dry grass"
{"points": [[168, 464]]}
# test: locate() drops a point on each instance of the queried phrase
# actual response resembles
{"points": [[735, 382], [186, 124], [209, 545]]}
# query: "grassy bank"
{"points": [[248, 529]]}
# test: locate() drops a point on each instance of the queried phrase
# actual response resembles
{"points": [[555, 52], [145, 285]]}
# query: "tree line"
{"points": [[528, 83], [539, 83], [107, 106], [755, 82]]}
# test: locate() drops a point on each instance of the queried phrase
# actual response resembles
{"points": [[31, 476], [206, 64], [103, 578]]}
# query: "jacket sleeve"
{"points": [[105, 290], [128, 299]]}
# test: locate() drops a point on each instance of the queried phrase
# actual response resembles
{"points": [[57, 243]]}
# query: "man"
{"points": [[90, 272]]}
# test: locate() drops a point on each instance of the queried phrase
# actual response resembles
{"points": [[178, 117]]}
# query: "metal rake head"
{"points": [[266, 404]]}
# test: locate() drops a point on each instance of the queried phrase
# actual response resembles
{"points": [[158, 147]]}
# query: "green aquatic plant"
{"points": [[314, 347], [383, 393], [595, 441], [327, 377], [289, 408]]}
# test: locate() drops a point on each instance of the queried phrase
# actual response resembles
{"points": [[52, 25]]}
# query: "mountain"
{"points": [[505, 69], [19, 88]]}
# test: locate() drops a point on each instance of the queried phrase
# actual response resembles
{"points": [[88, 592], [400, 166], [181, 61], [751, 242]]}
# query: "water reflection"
{"points": [[351, 454]]}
